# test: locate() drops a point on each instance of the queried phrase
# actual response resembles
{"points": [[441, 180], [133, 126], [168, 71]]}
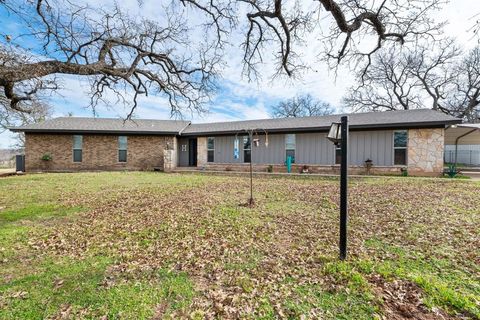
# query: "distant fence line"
{"points": [[469, 156]]}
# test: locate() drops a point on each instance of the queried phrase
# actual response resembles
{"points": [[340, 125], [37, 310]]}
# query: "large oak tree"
{"points": [[121, 54]]}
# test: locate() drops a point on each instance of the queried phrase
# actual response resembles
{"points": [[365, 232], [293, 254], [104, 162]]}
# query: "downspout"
{"points": [[456, 143], [181, 131]]}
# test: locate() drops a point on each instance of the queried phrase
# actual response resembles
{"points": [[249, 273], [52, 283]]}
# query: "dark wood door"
{"points": [[192, 152]]}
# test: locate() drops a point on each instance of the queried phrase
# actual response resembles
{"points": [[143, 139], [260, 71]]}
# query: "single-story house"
{"points": [[393, 141]]}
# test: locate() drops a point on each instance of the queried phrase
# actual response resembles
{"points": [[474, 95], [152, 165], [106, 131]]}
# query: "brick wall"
{"points": [[100, 152]]}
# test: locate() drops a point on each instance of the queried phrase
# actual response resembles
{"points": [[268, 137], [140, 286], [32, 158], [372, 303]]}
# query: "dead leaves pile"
{"points": [[241, 258]]}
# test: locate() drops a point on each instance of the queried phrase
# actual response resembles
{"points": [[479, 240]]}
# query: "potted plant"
{"points": [[46, 159], [270, 168], [368, 165], [305, 169]]}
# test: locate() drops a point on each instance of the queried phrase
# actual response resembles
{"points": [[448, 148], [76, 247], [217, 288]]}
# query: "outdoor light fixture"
{"points": [[335, 133], [338, 134]]}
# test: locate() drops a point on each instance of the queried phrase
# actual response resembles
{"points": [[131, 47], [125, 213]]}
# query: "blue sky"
{"points": [[236, 99]]}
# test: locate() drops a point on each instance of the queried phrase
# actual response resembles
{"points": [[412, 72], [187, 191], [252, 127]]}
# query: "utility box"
{"points": [[20, 163]]}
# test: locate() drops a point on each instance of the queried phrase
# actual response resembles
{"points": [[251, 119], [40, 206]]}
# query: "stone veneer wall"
{"points": [[100, 152], [425, 150], [201, 151], [170, 155]]}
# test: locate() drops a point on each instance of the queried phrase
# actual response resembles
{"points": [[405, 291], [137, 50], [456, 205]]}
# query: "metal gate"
{"points": [[20, 162]]}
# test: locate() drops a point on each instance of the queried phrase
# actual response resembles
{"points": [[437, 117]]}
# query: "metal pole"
{"points": [[344, 188], [250, 202]]}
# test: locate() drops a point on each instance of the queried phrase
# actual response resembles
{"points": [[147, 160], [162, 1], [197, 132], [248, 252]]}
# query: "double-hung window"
{"points": [[290, 146], [247, 149], [210, 149], [338, 153], [400, 147], [77, 148], [122, 149]]}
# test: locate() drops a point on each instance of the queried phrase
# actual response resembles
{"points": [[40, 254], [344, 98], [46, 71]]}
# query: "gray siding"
{"points": [[182, 155], [274, 154], [314, 148], [374, 145], [311, 148], [224, 150]]}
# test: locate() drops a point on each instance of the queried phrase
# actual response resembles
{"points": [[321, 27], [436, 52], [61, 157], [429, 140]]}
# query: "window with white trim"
{"points": [[338, 153], [77, 148], [290, 145], [210, 149], [122, 149], [400, 139]]}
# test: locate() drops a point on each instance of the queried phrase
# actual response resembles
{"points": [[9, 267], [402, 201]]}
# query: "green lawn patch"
{"points": [[143, 245]]}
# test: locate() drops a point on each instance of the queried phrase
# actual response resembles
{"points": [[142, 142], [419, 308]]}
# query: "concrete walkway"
{"points": [[306, 175], [7, 172], [475, 175]]}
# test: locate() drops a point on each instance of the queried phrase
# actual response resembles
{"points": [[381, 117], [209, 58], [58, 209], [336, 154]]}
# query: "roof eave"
{"points": [[417, 125], [126, 132]]}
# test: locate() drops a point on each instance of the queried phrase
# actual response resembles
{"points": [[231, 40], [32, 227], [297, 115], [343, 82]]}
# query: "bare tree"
{"points": [[357, 29], [435, 69], [301, 106], [464, 99], [37, 111], [120, 55], [420, 77], [388, 85]]}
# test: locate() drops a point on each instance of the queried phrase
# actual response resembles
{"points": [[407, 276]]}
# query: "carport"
{"points": [[463, 135]]}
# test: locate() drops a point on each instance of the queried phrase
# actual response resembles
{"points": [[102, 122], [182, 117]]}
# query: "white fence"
{"points": [[466, 154]]}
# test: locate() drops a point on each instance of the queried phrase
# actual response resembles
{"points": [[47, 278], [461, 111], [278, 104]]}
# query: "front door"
{"points": [[192, 152]]}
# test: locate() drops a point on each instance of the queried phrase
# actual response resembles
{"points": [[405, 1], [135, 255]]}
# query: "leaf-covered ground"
{"points": [[161, 246]]}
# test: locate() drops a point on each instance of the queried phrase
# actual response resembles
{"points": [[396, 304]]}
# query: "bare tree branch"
{"points": [[125, 57], [301, 106]]}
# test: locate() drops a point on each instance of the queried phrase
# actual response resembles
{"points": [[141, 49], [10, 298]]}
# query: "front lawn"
{"points": [[161, 246]]}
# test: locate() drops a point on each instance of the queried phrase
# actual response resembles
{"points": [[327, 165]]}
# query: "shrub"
{"points": [[46, 157]]}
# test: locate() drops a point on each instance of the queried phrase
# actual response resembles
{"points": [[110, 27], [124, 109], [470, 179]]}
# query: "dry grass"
{"points": [[145, 245]]}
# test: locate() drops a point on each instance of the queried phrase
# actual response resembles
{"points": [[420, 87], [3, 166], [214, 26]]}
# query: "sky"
{"points": [[237, 98]]}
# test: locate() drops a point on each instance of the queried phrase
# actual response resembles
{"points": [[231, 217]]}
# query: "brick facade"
{"points": [[100, 152]]}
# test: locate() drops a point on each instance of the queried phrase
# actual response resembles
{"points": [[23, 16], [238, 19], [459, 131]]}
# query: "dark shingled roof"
{"points": [[105, 125], [368, 120]]}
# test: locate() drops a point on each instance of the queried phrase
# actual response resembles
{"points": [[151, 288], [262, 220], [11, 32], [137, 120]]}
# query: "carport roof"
{"points": [[463, 134]]}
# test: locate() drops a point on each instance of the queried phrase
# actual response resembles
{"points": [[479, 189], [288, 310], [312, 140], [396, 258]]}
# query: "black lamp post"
{"points": [[338, 134]]}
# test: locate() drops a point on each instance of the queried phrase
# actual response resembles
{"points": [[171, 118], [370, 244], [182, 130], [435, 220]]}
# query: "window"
{"points": [[290, 146], [210, 149], [400, 147], [338, 154], [247, 149], [122, 149], [77, 148]]}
